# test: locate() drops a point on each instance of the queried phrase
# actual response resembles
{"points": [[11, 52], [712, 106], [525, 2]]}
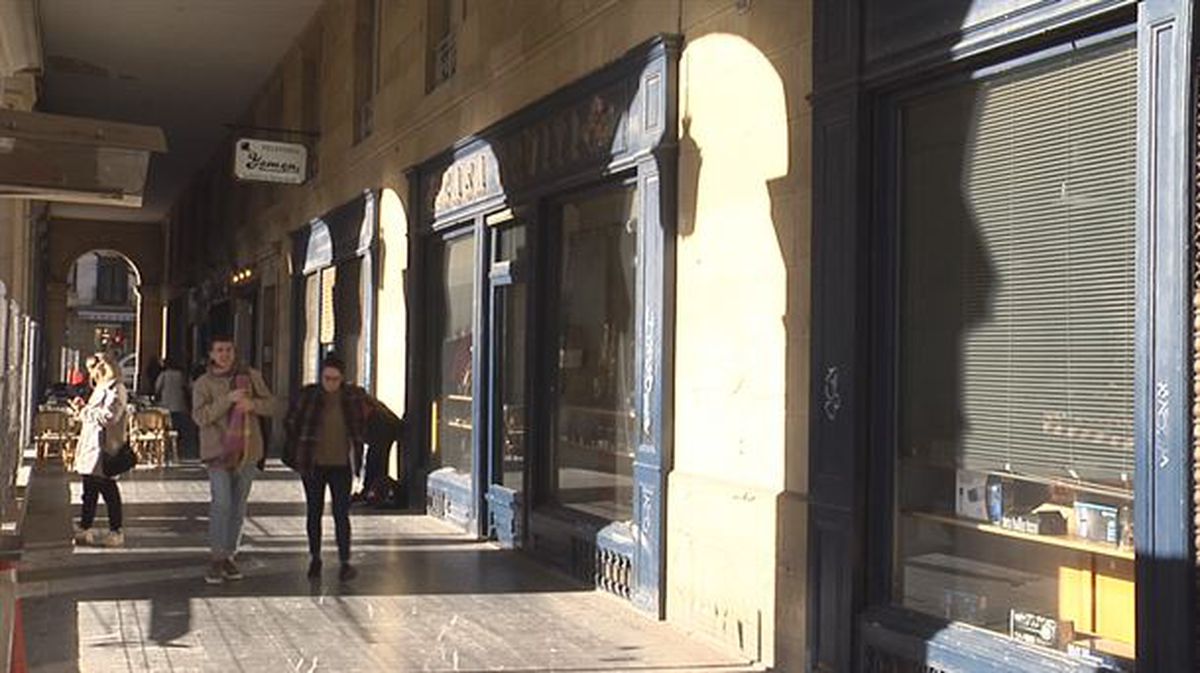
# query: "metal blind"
{"points": [[1018, 270]]}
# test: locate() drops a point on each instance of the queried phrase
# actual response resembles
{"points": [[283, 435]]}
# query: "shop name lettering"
{"points": [[255, 161], [584, 132], [464, 182]]}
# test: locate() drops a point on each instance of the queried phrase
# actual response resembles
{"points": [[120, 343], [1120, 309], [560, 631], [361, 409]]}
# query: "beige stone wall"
{"points": [[736, 519], [735, 538]]}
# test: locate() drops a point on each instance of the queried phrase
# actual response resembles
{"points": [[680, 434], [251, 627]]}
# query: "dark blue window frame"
{"points": [[852, 627]]}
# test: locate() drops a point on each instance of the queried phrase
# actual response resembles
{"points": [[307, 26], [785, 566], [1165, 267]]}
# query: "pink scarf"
{"points": [[237, 431]]}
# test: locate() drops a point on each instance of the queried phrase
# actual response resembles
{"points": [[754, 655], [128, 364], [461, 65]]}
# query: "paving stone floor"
{"points": [[428, 598]]}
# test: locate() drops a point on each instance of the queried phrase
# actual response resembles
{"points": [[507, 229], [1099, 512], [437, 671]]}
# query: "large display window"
{"points": [[595, 407], [1015, 372]]}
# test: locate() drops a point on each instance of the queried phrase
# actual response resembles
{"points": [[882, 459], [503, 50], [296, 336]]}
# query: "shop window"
{"points": [[595, 423], [1016, 353], [452, 443]]}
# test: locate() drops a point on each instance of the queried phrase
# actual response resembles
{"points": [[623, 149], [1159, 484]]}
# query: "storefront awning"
{"points": [[75, 159]]}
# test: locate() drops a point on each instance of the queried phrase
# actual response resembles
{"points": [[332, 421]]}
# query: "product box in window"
{"points": [[971, 495], [1097, 521], [1038, 629]]}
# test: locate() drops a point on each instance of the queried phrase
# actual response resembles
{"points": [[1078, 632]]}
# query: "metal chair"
{"points": [[54, 436], [148, 435]]}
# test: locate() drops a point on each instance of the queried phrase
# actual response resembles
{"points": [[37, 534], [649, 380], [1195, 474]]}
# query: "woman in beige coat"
{"points": [[102, 431]]}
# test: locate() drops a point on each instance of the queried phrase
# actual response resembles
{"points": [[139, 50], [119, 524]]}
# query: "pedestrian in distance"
{"points": [[170, 388], [228, 402], [102, 431], [325, 427]]}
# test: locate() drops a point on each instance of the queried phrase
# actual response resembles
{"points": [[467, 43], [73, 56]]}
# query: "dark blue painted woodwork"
{"points": [[903, 37], [505, 508], [615, 552], [451, 496], [1165, 585], [863, 51], [613, 125]]}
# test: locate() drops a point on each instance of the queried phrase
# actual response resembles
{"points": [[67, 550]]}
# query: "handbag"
{"points": [[114, 464]]}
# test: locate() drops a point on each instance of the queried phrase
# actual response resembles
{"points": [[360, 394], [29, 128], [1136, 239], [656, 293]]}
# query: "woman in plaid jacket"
{"points": [[325, 432]]}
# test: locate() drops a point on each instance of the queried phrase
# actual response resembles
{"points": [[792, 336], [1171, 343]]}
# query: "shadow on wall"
{"points": [[742, 335]]}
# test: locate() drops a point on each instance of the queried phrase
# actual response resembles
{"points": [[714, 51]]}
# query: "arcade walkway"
{"points": [[427, 599]]}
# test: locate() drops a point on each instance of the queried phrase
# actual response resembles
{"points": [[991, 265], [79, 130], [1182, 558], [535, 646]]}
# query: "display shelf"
{"points": [[1062, 541]]}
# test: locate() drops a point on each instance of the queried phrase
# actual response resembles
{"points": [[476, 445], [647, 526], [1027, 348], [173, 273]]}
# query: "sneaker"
{"points": [[230, 571], [215, 574], [114, 538], [314, 569], [85, 537], [347, 573]]}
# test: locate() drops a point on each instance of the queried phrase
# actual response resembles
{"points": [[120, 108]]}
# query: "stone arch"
{"points": [[140, 243]]}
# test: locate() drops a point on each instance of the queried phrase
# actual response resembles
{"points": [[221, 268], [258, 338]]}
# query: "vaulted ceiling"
{"points": [[187, 66]]}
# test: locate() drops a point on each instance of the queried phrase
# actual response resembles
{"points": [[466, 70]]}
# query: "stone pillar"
{"points": [[150, 329], [56, 328]]}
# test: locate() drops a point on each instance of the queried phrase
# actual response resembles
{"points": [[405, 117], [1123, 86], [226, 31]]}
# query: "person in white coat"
{"points": [[102, 430]]}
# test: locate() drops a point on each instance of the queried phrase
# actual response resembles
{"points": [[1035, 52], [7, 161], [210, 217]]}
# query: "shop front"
{"points": [[1000, 445], [334, 262], [542, 250]]}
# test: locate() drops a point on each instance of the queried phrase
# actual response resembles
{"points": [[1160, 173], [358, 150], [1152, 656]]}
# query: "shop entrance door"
{"points": [[508, 401]]}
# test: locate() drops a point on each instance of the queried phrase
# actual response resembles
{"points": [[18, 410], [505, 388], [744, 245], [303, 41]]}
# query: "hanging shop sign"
{"points": [[269, 161]]}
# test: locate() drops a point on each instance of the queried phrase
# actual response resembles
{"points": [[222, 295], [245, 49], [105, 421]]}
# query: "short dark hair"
{"points": [[220, 337], [332, 360]]}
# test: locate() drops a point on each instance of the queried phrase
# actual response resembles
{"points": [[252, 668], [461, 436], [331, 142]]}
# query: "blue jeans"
{"points": [[227, 511]]}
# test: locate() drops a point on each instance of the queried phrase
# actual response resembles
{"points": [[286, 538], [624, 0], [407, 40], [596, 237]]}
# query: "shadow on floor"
{"points": [[399, 554]]}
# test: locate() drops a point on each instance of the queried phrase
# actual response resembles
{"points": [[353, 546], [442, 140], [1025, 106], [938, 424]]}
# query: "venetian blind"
{"points": [[1018, 270]]}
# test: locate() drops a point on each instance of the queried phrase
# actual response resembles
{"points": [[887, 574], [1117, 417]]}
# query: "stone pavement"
{"points": [[428, 598]]}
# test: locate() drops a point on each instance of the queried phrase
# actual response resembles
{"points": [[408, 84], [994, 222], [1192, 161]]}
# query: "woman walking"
{"points": [[325, 438], [102, 432]]}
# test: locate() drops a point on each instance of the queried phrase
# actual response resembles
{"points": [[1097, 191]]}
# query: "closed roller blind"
{"points": [[1017, 298]]}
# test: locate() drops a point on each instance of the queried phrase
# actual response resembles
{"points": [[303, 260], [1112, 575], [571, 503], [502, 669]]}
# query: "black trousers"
{"points": [[93, 488], [338, 480]]}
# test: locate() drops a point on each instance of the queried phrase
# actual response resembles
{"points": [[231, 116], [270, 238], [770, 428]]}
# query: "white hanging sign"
{"points": [[269, 161]]}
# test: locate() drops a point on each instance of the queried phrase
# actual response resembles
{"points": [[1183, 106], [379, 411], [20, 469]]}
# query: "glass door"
{"points": [[452, 428], [508, 403]]}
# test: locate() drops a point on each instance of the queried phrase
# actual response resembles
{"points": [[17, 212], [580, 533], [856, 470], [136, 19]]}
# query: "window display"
{"points": [[1016, 354], [595, 423], [453, 429]]}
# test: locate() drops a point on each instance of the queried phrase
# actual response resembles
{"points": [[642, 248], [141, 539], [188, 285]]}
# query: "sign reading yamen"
{"points": [[269, 161]]}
